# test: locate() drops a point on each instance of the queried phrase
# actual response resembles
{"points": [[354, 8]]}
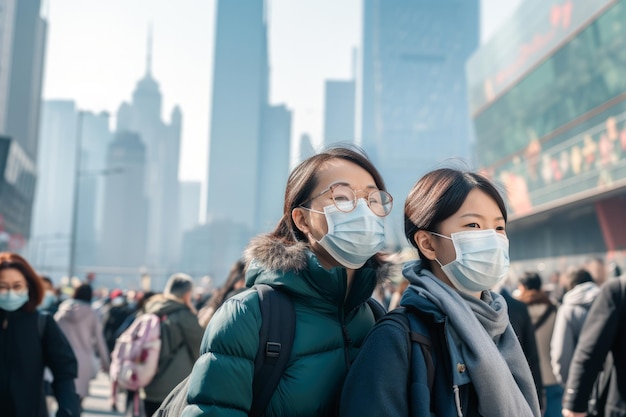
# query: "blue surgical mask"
{"points": [[353, 237], [482, 260], [12, 300], [48, 300]]}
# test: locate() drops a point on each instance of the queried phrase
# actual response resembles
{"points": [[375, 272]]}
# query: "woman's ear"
{"points": [[300, 220], [424, 241]]}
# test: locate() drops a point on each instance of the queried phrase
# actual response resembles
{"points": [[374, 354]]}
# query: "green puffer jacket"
{"points": [[330, 328]]}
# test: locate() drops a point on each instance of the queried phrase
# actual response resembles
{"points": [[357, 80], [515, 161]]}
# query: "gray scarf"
{"points": [[493, 356]]}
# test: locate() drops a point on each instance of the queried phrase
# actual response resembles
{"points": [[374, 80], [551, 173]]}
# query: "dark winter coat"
{"points": [[23, 356], [181, 349], [523, 326], [330, 327], [604, 331], [398, 388]]}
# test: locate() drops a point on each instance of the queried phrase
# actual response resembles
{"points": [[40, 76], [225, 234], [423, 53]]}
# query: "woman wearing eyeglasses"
{"points": [[30, 341], [457, 221], [322, 255]]}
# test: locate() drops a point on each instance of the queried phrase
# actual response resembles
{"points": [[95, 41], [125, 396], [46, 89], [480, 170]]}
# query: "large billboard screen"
{"points": [[538, 28]]}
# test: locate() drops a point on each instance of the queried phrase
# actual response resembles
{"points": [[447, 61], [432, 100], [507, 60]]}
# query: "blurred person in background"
{"points": [[83, 330], [581, 290], [523, 327], [597, 269], [51, 301], [235, 283], [543, 316], [29, 341], [456, 220], [603, 337], [183, 333], [114, 317], [323, 254]]}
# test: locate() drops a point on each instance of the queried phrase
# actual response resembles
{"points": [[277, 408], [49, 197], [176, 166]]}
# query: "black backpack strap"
{"points": [[278, 326], [377, 308], [399, 315], [544, 316]]}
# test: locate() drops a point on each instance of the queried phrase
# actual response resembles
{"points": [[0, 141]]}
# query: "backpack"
{"points": [[276, 336], [135, 358], [400, 316]]}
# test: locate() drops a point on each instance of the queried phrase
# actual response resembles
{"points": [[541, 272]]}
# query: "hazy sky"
{"points": [[96, 54]]}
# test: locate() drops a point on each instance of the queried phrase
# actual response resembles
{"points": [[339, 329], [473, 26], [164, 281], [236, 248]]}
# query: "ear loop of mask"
{"points": [[440, 235]]}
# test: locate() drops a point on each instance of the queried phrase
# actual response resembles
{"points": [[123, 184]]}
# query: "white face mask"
{"points": [[482, 260], [353, 237]]}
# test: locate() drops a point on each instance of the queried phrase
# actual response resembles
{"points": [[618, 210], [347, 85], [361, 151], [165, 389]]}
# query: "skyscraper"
{"points": [[274, 156], [22, 45], [240, 84], [190, 192], [339, 108], [125, 205], [414, 111], [53, 203], [239, 103], [25, 76], [7, 17], [162, 147]]}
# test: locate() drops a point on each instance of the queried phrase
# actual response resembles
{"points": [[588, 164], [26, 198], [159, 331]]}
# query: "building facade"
{"points": [[22, 49], [162, 146], [339, 109], [548, 102], [125, 220], [412, 90]]}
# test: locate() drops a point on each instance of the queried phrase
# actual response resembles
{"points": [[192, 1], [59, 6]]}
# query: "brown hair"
{"points": [[303, 180], [9, 260], [437, 196]]}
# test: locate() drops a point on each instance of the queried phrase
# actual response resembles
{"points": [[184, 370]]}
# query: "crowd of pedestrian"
{"points": [[457, 340]]}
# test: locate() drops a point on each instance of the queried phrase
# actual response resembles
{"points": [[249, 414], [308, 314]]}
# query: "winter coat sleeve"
{"points": [[221, 379], [596, 339], [101, 347], [60, 358], [529, 346], [562, 344], [377, 382]]}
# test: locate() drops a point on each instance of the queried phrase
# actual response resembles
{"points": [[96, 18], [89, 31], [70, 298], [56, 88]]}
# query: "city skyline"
{"points": [[99, 68]]}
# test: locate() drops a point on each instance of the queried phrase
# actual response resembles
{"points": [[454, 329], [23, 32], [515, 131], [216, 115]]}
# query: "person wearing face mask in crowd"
{"points": [[50, 302], [30, 341], [456, 220], [322, 254]]}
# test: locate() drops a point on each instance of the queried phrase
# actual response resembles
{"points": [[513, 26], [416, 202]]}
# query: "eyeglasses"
{"points": [[345, 199]]}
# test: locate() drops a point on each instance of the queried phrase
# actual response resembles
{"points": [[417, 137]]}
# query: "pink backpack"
{"points": [[135, 358]]}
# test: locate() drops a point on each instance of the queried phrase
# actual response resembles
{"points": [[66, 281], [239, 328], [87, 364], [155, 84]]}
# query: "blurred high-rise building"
{"points": [[274, 154], [22, 46], [412, 90], [23, 95], [62, 129], [339, 108], [244, 137], [95, 137], [547, 95], [7, 17], [306, 148], [125, 222], [190, 192], [240, 95], [49, 246], [162, 145]]}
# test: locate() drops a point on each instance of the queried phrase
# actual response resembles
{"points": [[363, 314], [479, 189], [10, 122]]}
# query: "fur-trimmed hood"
{"points": [[272, 254]]}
